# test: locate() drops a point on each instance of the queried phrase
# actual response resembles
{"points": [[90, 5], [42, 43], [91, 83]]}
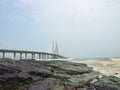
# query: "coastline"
{"points": [[106, 66]]}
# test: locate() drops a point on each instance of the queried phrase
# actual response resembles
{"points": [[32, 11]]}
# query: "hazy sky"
{"points": [[82, 28]]}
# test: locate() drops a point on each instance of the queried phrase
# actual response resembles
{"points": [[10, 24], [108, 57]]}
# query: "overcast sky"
{"points": [[82, 28]]}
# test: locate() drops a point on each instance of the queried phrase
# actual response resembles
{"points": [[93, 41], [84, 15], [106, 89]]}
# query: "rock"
{"points": [[15, 83], [61, 76], [58, 88], [8, 70], [41, 73], [69, 67], [81, 80], [81, 89], [45, 84], [107, 83], [45, 75]]}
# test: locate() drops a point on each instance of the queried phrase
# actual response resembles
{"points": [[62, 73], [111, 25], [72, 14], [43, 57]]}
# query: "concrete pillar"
{"points": [[47, 56], [14, 55], [42, 56], [51, 56], [20, 55], [39, 56], [33, 55], [54, 56], [25, 55], [3, 54]]}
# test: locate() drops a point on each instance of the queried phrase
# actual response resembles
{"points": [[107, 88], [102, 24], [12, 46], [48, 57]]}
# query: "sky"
{"points": [[81, 28]]}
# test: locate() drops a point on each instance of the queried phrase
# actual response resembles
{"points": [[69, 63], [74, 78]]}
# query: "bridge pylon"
{"points": [[53, 48]]}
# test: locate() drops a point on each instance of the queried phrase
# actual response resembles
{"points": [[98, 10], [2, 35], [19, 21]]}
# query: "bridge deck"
{"points": [[28, 52]]}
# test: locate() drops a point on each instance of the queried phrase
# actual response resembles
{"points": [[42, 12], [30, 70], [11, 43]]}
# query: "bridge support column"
{"points": [[54, 57], [14, 55], [3, 54], [33, 55], [39, 56], [51, 56], [42, 56], [20, 56], [47, 56], [25, 55]]}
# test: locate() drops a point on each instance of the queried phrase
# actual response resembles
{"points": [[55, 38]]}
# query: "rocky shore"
{"points": [[53, 75], [106, 66]]}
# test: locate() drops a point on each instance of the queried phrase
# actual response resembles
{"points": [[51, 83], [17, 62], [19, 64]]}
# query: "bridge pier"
{"points": [[39, 56], [3, 54], [25, 55], [33, 55], [14, 55], [20, 55], [43, 56], [47, 56]]}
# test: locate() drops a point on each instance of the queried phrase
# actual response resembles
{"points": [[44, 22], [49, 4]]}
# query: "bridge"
{"points": [[41, 55]]}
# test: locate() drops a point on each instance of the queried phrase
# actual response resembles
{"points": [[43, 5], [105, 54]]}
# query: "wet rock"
{"points": [[69, 67], [81, 80], [107, 83]]}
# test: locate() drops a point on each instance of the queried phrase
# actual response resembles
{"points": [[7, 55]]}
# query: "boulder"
{"points": [[107, 83]]}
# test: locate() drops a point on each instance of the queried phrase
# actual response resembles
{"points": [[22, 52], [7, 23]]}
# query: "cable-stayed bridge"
{"points": [[33, 54]]}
